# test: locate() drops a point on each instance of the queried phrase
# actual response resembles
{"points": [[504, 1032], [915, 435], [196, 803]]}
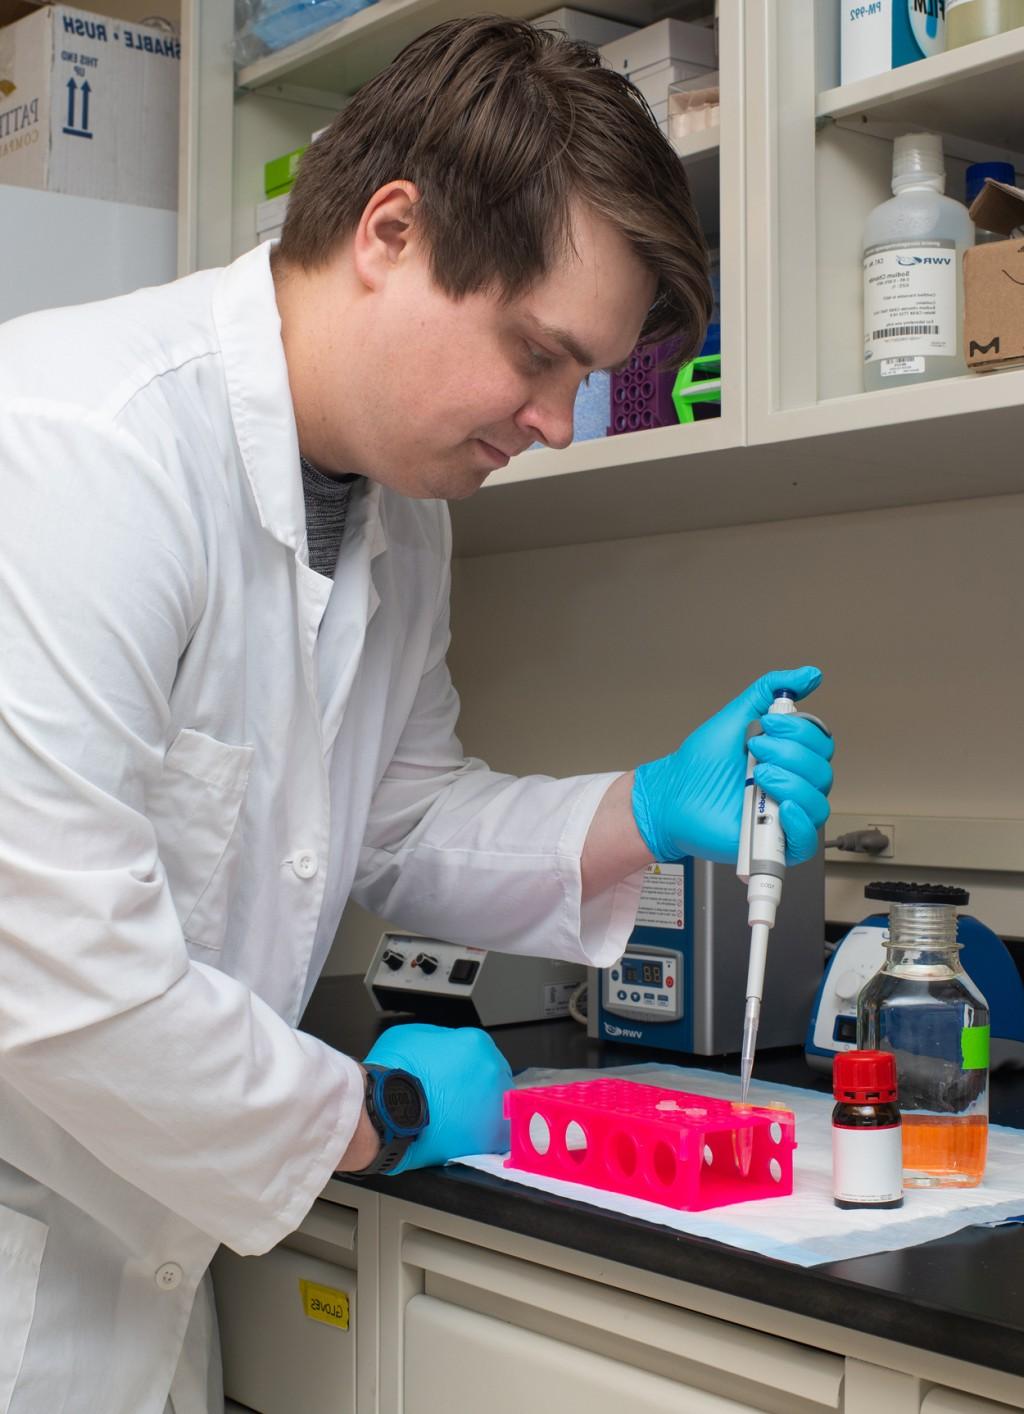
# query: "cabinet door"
{"points": [[462, 1362], [288, 1323], [481, 1329]]}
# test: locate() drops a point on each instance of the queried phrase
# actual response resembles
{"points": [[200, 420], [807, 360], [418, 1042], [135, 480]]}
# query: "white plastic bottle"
{"points": [[913, 285]]}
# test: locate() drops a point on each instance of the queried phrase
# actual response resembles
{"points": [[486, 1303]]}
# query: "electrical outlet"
{"points": [[890, 832], [936, 842]]}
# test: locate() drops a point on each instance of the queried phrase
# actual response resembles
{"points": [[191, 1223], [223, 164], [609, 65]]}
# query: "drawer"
{"points": [[479, 1310], [288, 1322]]}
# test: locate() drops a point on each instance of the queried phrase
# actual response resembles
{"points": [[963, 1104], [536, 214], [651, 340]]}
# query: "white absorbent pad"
{"points": [[805, 1227]]}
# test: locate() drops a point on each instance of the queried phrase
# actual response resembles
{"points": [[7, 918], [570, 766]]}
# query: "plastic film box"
{"points": [[89, 107]]}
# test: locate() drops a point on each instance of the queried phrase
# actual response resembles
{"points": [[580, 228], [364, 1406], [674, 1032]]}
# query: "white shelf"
{"points": [[975, 92], [987, 400], [958, 441], [343, 56]]}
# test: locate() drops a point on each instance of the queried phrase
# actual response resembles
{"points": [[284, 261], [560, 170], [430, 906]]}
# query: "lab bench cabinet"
{"points": [[475, 1317], [298, 1325], [448, 1313]]}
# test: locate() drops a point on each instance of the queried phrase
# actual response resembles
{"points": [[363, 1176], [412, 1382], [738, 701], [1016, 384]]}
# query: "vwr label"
{"points": [[910, 300]]}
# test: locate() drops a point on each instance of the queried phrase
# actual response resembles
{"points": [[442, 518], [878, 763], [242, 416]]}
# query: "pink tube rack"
{"points": [[681, 1150]]}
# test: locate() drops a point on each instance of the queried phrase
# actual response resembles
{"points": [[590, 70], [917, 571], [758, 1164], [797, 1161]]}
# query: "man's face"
{"points": [[443, 391]]}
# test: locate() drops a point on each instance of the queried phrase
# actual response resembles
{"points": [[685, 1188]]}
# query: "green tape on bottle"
{"points": [[974, 1047]]}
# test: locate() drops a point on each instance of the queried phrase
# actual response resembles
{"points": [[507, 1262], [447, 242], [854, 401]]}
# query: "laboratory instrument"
{"points": [[913, 290], [666, 1146], [832, 1026], [924, 1008], [674, 988], [761, 865], [867, 1135], [453, 984], [970, 20]]}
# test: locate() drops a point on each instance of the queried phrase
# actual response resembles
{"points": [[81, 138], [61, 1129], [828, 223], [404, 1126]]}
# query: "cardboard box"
{"points": [[584, 28], [994, 282], [89, 107], [673, 40]]}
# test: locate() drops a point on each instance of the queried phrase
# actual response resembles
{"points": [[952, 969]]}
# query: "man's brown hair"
{"points": [[500, 126]]}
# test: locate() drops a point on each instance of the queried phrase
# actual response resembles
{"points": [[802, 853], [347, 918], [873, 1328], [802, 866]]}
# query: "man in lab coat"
{"points": [[224, 705]]}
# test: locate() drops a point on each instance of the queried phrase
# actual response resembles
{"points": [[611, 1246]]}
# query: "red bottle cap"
{"points": [[864, 1077]]}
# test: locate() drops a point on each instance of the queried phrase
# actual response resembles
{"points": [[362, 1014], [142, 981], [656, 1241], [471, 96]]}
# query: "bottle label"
{"points": [[900, 367], [867, 1164], [910, 299], [974, 1047]]}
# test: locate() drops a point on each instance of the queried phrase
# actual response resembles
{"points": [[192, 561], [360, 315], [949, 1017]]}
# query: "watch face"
{"points": [[403, 1102]]}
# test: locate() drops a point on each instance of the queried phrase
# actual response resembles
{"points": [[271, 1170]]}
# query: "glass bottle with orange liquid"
{"points": [[922, 1006]]}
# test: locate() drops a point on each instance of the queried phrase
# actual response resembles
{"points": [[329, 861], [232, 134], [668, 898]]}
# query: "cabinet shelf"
{"points": [[341, 57], [941, 442], [974, 92]]}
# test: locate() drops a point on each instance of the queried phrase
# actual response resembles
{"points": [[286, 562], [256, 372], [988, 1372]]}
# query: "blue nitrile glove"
{"points": [[691, 802], [464, 1077]]}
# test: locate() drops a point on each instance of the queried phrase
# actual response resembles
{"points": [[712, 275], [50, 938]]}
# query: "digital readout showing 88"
{"points": [[643, 973]]}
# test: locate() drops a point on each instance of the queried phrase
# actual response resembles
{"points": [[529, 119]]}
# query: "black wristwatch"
{"points": [[397, 1108]]}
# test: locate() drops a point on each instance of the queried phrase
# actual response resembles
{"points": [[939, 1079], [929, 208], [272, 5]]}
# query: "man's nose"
{"points": [[549, 421]]}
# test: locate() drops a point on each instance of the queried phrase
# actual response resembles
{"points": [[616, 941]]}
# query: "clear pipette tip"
{"points": [[751, 1016]]}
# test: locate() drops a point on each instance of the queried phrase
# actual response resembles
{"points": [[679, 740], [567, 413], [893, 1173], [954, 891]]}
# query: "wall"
{"points": [[595, 657]]}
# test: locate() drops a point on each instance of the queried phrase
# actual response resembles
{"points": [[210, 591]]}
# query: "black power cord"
{"points": [[861, 842]]}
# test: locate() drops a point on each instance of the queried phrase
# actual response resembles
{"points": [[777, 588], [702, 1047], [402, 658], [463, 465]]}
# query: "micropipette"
{"points": [[761, 865]]}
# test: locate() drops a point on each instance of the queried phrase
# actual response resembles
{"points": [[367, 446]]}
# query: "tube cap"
{"points": [[864, 1077], [898, 892]]}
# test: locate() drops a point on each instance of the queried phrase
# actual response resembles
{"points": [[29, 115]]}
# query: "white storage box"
{"points": [[89, 107], [270, 218], [578, 25], [668, 40]]}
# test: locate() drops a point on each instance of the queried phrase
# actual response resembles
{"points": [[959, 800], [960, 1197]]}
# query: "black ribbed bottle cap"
{"points": [[917, 893]]}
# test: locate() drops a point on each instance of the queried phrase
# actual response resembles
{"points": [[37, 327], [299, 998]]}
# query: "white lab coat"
{"points": [[205, 748]]}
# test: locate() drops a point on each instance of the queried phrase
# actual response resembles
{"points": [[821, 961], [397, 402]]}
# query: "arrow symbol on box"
{"points": [[71, 130]]}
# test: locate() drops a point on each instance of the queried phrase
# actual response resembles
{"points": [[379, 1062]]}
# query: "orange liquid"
{"points": [[944, 1151]]}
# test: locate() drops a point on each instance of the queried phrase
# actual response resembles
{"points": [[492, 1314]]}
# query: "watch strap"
{"points": [[392, 1146]]}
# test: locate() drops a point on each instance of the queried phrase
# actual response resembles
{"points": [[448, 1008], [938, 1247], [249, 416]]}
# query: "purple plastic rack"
{"points": [[641, 396]]}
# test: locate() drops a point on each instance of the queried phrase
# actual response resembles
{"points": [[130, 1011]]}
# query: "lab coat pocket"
{"points": [[195, 808], [22, 1240]]}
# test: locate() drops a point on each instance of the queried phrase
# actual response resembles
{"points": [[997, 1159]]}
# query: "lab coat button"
{"points": [[305, 864], [168, 1276]]}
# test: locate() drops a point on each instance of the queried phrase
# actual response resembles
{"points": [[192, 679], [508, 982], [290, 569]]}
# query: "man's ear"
{"points": [[385, 232]]}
